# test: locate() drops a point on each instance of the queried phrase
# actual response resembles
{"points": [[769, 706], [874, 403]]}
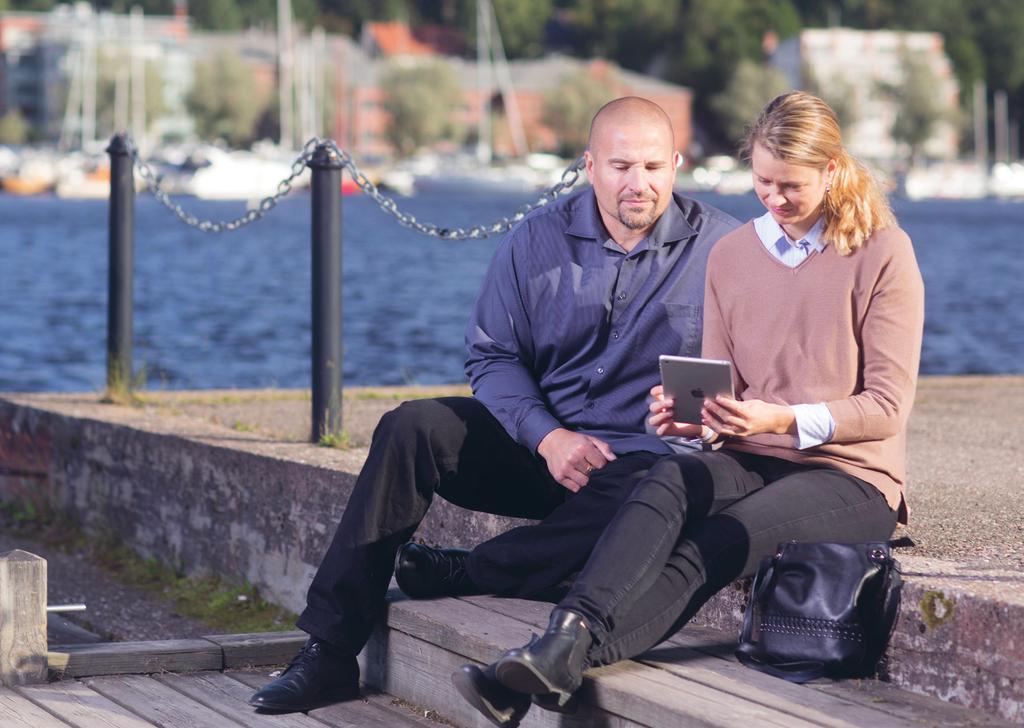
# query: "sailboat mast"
{"points": [[284, 72], [88, 126], [483, 64], [508, 96], [138, 89]]}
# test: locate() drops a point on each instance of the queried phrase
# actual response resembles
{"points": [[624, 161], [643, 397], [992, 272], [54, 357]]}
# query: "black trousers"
{"points": [[696, 523], [454, 447]]}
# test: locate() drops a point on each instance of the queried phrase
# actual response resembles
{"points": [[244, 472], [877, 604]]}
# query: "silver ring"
{"points": [[590, 469]]}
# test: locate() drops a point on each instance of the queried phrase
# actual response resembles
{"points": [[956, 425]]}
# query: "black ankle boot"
{"points": [[553, 664], [503, 707]]}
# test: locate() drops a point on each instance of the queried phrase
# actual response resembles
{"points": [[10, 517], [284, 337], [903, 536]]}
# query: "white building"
{"points": [[860, 63]]}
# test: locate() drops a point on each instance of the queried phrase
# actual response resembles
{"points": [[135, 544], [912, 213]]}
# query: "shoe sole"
{"points": [[525, 678], [467, 688]]}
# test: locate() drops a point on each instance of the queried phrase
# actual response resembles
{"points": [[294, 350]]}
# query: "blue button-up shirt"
{"points": [[568, 326]]}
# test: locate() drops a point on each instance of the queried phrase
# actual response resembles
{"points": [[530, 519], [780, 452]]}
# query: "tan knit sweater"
{"points": [[845, 331]]}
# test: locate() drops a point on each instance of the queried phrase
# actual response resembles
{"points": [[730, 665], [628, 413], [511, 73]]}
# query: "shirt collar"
{"points": [[586, 222], [772, 234]]}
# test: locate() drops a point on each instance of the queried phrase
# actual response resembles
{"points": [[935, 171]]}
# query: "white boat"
{"points": [[947, 180], [1007, 180], [238, 175]]}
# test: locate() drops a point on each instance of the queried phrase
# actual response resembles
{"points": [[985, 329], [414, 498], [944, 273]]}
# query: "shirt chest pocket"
{"points": [[684, 324]]}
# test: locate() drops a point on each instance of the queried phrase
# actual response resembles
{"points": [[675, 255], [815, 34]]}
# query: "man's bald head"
{"points": [[627, 111], [631, 164]]}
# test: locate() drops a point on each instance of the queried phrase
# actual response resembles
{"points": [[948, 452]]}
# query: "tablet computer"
{"points": [[690, 381]]}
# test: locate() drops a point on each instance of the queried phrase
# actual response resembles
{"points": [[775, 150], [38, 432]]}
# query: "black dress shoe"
{"points": [[503, 707], [550, 666], [424, 572], [319, 675]]}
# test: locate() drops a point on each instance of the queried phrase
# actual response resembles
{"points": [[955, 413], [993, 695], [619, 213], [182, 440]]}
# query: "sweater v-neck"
{"points": [[792, 269]]}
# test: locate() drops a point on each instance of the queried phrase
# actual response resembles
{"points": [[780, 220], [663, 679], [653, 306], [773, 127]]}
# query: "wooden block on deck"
{"points": [[22, 618], [258, 648], [112, 658]]}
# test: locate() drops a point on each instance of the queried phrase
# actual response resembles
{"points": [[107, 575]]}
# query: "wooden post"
{"points": [[22, 618]]}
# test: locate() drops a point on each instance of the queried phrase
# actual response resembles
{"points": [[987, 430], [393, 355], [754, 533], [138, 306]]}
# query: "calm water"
{"points": [[234, 310]]}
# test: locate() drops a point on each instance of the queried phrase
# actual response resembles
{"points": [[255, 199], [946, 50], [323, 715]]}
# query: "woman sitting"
{"points": [[819, 306]]}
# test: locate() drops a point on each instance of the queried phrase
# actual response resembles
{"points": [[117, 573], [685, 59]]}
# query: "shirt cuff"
{"points": [[814, 425], [535, 427]]}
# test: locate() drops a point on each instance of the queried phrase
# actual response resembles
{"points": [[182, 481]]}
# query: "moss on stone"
{"points": [[936, 608]]}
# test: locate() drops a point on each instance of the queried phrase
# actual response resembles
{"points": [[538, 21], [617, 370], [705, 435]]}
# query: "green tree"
{"points": [[751, 87], [225, 100], [420, 100], [714, 38], [521, 24], [13, 128], [569, 107], [919, 105], [631, 33], [217, 14]]}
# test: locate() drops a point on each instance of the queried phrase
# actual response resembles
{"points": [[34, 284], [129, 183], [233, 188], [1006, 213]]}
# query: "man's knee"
{"points": [[416, 418]]}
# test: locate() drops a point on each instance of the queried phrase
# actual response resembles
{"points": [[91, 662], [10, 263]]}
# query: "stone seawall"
{"points": [[204, 502], [249, 506]]}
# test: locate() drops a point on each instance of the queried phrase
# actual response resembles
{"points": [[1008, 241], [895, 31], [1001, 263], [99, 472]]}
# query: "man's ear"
{"points": [[588, 159], [677, 159]]}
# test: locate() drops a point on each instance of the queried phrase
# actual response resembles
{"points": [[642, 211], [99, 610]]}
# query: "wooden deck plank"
{"points": [[896, 703], [370, 710], [644, 694], [229, 697], [708, 656], [725, 676], [116, 658], [406, 715], [420, 672], [81, 706], [158, 703], [258, 648], [19, 712], [255, 679]]}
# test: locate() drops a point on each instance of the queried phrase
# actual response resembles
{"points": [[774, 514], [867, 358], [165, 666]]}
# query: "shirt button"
{"points": [[600, 370], [622, 296], [590, 405], [615, 334]]}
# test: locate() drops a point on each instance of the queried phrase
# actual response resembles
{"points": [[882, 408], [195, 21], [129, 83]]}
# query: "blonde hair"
{"points": [[799, 128]]}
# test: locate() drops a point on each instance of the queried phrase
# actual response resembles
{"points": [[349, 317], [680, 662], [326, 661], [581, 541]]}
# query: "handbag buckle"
{"points": [[877, 555]]}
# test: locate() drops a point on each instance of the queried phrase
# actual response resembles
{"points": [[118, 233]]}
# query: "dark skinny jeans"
{"points": [[455, 448], [696, 523]]}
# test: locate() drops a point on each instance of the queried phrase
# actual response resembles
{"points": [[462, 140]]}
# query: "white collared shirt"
{"points": [[790, 252], [814, 423]]}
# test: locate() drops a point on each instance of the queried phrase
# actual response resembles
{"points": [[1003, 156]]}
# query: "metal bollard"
{"points": [[326, 194], [121, 254]]}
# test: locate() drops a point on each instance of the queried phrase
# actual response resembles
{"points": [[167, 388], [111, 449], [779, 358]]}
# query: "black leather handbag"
{"points": [[821, 610]]}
